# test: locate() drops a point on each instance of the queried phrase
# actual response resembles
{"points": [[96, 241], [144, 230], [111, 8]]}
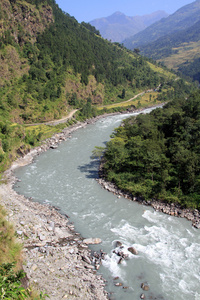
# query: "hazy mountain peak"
{"points": [[118, 13], [118, 26], [183, 18]]}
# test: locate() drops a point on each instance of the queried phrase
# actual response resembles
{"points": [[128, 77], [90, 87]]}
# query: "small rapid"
{"points": [[168, 248]]}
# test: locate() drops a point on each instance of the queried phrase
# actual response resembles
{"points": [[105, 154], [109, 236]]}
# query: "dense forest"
{"points": [[191, 69], [158, 155], [54, 61], [51, 64]]}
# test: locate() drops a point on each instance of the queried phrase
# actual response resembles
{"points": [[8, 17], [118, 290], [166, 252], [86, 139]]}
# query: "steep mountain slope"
{"points": [[47, 58], [180, 51], [51, 64], [182, 19], [118, 26]]}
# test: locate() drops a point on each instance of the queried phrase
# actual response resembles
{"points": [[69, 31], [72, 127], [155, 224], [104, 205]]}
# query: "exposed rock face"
{"points": [[118, 244], [32, 22], [31, 19]]}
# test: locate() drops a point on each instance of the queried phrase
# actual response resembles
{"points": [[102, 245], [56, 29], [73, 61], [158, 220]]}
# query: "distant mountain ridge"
{"points": [[177, 46], [182, 19], [118, 26], [179, 50], [167, 45]]}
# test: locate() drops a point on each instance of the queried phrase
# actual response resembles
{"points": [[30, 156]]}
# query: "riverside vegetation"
{"points": [[51, 64], [11, 274], [157, 155]]}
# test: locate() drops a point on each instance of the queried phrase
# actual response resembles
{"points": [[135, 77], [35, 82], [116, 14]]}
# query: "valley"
{"points": [[66, 92]]}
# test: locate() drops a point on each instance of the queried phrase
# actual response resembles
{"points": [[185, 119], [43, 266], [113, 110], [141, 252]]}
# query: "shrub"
{"points": [[10, 284]]}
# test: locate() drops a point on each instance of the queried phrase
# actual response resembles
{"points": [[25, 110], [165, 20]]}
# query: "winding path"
{"points": [[140, 94], [70, 115], [56, 122]]}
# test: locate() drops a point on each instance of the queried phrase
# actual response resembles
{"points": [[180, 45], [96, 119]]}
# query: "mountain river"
{"points": [[168, 247]]}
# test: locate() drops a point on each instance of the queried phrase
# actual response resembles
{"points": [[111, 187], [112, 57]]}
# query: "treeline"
{"points": [[40, 93], [191, 69], [158, 155], [39, 66]]}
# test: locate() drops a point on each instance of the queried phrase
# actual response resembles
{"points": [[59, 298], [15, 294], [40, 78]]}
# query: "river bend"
{"points": [[169, 247]]}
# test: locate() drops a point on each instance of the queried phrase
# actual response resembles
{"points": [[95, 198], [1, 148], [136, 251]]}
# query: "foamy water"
{"points": [[168, 248]]}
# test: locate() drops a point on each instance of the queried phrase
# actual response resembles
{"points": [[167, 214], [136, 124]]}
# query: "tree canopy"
{"points": [[158, 155]]}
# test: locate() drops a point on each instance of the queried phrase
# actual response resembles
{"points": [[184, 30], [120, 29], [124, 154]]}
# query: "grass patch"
{"points": [[10, 249], [145, 100], [185, 53], [161, 71], [11, 271]]}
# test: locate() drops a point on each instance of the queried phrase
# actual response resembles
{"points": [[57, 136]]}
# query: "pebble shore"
{"points": [[57, 260]]}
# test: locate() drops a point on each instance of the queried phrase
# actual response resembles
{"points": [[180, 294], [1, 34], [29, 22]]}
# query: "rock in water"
{"points": [[145, 287], [133, 250], [92, 241], [118, 244]]}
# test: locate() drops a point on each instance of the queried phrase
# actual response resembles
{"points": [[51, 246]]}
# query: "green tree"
{"points": [[123, 94]]}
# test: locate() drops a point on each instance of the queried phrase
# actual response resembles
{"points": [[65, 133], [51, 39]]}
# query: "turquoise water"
{"points": [[169, 247]]}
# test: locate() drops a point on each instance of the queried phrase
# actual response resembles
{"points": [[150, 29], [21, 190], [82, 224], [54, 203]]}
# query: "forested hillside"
{"points": [[179, 51], [47, 57], [158, 155], [49, 64], [168, 44]]}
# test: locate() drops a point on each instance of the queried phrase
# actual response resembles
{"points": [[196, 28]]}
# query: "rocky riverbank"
{"points": [[57, 259], [171, 209]]}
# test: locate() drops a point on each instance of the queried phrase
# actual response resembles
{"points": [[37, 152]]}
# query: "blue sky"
{"points": [[87, 10]]}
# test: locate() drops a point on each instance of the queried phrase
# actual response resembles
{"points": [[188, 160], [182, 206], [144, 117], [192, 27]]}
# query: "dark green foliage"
{"points": [[91, 28], [65, 52], [123, 94], [191, 69], [158, 155], [87, 111], [67, 45], [10, 284]]}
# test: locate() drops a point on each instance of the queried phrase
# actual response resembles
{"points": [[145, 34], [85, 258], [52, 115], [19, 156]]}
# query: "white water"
{"points": [[169, 247]]}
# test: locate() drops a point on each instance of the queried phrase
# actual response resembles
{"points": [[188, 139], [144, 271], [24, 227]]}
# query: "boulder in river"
{"points": [[118, 284], [133, 250], [145, 287], [118, 244], [92, 241]]}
